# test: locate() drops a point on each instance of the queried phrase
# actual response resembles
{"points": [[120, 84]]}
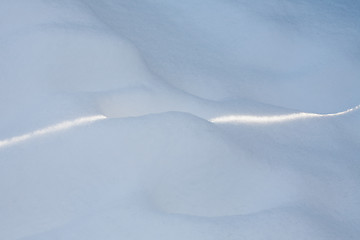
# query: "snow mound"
{"points": [[179, 120]]}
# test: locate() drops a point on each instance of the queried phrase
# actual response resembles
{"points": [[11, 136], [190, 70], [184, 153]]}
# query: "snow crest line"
{"points": [[51, 129], [251, 119], [237, 119]]}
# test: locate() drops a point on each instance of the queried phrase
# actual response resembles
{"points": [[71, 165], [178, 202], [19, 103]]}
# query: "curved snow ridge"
{"points": [[237, 119], [252, 119], [51, 129]]}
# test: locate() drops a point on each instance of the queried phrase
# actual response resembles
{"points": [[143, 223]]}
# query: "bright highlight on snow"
{"points": [[238, 119], [125, 93], [51, 129]]}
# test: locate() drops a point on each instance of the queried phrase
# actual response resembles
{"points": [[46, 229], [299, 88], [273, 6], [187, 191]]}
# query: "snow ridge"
{"points": [[243, 119], [51, 129], [237, 119]]}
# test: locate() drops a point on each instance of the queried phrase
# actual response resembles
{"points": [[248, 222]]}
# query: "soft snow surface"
{"points": [[191, 120]]}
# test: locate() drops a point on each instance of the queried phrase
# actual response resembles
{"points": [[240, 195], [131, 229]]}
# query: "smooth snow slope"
{"points": [[160, 119]]}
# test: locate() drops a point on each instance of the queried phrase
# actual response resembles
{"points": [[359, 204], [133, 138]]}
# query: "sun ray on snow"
{"points": [[50, 129], [253, 119], [236, 119]]}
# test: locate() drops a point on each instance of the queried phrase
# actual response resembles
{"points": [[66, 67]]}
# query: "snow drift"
{"points": [[179, 120]]}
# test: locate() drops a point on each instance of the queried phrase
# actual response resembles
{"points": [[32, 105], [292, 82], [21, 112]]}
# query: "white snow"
{"points": [[276, 118], [179, 119], [51, 129]]}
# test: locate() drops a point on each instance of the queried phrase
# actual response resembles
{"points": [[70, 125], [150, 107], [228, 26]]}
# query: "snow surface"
{"points": [[216, 119]]}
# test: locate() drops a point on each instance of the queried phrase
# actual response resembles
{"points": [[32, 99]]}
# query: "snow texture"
{"points": [[203, 120]]}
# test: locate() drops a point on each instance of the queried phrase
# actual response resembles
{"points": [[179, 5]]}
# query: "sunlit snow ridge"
{"points": [[50, 129], [238, 119]]}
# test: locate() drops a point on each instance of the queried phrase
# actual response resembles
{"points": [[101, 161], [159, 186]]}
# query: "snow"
{"points": [[179, 120]]}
